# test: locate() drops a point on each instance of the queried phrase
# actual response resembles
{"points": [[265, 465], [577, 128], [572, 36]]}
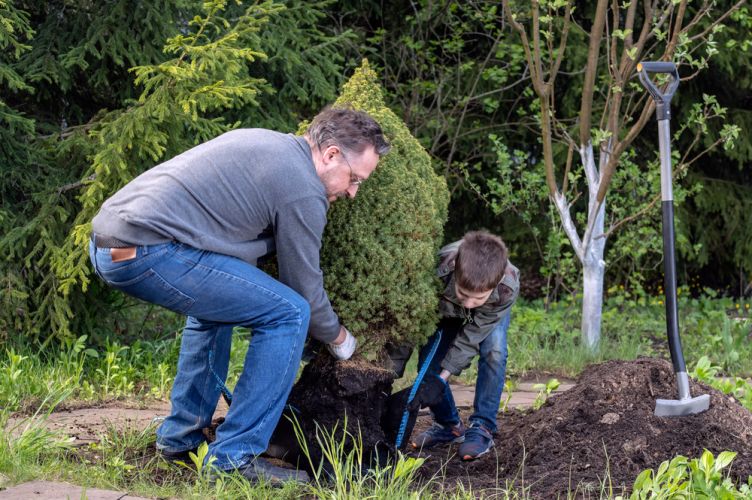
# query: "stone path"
{"points": [[523, 395], [49, 490]]}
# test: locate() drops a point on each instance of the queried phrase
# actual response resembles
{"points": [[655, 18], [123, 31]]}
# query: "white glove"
{"points": [[346, 349]]}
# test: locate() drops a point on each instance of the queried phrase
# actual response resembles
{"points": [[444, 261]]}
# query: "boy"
{"points": [[480, 286]]}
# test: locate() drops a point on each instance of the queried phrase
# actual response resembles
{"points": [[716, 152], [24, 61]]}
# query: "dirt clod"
{"points": [[604, 423]]}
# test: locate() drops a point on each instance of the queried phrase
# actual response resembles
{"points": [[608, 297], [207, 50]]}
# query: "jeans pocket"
{"points": [[153, 288]]}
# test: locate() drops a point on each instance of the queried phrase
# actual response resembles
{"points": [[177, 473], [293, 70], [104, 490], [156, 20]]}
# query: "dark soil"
{"points": [[329, 393], [604, 426]]}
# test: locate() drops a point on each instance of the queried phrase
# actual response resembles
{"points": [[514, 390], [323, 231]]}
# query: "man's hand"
{"points": [[344, 345]]}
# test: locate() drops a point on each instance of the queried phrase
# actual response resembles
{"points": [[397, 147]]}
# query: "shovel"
{"points": [[686, 404]]}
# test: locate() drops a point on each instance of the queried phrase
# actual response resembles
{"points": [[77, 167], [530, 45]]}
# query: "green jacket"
{"points": [[478, 322]]}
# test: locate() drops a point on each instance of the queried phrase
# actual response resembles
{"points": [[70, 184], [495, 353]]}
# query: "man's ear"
{"points": [[328, 155]]}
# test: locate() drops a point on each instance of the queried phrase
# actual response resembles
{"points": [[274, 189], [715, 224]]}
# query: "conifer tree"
{"points": [[379, 249], [181, 102], [15, 30]]}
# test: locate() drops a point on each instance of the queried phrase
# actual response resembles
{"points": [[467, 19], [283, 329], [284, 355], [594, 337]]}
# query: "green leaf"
{"points": [[724, 459]]}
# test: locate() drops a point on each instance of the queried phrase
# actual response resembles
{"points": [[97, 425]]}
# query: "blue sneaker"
{"points": [[478, 442], [438, 434]]}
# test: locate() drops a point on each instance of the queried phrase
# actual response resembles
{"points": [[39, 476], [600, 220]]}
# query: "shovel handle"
{"points": [[662, 99]]}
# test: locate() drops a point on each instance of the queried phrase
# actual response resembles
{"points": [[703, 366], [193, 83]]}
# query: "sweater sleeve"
{"points": [[299, 226]]}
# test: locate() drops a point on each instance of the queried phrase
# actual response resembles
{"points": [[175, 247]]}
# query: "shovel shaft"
{"points": [[669, 247], [664, 144], [669, 286]]}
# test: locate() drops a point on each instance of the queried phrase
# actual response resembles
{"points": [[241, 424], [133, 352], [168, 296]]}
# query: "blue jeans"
{"points": [[492, 367], [217, 292]]}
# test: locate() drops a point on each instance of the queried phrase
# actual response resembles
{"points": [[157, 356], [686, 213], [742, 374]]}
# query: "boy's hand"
{"points": [[431, 392]]}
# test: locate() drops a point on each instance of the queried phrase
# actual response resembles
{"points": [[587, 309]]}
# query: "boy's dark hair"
{"points": [[351, 130], [481, 260]]}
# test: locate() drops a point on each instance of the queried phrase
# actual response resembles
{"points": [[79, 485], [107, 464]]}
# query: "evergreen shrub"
{"points": [[379, 249]]}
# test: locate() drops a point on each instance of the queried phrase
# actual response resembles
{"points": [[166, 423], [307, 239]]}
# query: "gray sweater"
{"points": [[246, 194]]}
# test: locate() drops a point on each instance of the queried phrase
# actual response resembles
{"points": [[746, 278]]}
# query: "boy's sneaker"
{"points": [[438, 434], [478, 442]]}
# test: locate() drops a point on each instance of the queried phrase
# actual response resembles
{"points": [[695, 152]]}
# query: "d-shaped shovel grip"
{"points": [[662, 99]]}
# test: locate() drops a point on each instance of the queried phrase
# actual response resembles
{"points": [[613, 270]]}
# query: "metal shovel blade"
{"points": [[681, 407]]}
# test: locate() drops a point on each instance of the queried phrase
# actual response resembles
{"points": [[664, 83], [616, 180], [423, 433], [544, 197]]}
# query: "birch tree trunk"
{"points": [[590, 249], [593, 271]]}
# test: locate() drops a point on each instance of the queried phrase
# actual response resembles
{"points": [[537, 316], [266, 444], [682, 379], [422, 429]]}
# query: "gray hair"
{"points": [[351, 130]]}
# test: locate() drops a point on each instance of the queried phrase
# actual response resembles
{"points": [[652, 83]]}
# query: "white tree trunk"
{"points": [[594, 244], [590, 248], [593, 271]]}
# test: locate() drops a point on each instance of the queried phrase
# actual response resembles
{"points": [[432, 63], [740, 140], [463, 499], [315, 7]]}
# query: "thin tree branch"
{"points": [[76, 185], [565, 180], [562, 44], [720, 19], [596, 33]]}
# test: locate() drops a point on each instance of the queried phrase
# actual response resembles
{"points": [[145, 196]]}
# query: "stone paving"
{"points": [[49, 490], [523, 394]]}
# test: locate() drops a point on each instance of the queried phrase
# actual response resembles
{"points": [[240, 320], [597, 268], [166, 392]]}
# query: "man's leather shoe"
{"points": [[262, 470]]}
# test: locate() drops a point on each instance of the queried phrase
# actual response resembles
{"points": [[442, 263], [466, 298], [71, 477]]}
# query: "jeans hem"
{"points": [[483, 423], [231, 466]]}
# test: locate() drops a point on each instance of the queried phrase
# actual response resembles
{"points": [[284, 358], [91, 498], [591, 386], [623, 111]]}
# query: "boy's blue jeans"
{"points": [[492, 367], [217, 292]]}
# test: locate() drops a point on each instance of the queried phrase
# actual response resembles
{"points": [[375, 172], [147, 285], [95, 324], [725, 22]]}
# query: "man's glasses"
{"points": [[354, 179]]}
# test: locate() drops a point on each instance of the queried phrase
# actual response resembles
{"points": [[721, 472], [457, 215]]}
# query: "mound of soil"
{"points": [[603, 424]]}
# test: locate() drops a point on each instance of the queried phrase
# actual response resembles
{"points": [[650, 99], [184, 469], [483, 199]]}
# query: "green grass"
{"points": [[144, 370], [547, 340]]}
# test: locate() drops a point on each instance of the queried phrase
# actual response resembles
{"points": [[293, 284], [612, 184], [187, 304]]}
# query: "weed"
{"points": [[23, 442], [342, 475], [544, 391], [198, 459], [508, 389]]}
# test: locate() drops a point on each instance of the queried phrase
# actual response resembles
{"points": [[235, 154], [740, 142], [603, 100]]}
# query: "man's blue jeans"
{"points": [[217, 292], [492, 367]]}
